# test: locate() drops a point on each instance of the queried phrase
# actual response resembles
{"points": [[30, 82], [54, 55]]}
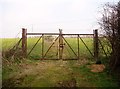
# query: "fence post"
{"points": [[24, 42], [96, 47]]}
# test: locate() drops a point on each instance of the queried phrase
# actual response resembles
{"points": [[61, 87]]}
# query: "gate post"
{"points": [[42, 46], [24, 42], [78, 47], [96, 47], [60, 44]]}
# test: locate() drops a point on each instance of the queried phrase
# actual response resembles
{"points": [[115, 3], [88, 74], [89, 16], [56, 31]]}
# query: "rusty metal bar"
{"points": [[86, 46], [69, 53], [42, 45], [17, 44], [24, 42], [102, 48], [69, 46], [54, 34], [70, 59], [50, 47], [42, 33], [77, 34], [34, 45], [78, 47], [62, 59]]}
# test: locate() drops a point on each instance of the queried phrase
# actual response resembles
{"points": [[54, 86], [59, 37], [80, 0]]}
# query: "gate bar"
{"points": [[69, 46], [34, 45], [50, 47], [86, 46], [54, 34], [17, 44], [103, 48]]}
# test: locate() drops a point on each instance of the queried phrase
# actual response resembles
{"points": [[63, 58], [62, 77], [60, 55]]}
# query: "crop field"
{"points": [[28, 72], [53, 52]]}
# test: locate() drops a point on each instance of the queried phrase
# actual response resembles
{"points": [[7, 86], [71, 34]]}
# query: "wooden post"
{"points": [[60, 44], [78, 47], [24, 42], [42, 46], [96, 47]]}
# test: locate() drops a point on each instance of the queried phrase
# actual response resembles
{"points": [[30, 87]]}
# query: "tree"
{"points": [[110, 24]]}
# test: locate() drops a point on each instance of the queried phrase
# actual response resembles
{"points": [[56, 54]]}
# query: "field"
{"points": [[67, 52], [29, 72]]}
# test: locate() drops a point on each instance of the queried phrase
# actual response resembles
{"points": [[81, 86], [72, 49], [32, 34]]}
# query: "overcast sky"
{"points": [[73, 16]]}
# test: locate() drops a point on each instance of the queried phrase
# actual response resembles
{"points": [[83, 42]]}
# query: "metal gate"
{"points": [[61, 46]]}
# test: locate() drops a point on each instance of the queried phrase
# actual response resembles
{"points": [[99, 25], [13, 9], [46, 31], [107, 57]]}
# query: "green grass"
{"points": [[8, 43], [96, 79], [50, 73]]}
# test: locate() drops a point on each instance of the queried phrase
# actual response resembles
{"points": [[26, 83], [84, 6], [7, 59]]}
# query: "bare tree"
{"points": [[110, 24]]}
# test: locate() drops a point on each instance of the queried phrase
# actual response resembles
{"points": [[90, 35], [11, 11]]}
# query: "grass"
{"points": [[96, 79], [49, 73], [8, 43], [53, 73]]}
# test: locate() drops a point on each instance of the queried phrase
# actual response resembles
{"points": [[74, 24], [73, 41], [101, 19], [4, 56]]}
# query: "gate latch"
{"points": [[62, 45]]}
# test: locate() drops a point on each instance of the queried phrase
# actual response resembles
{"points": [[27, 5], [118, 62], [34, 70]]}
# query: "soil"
{"points": [[97, 68]]}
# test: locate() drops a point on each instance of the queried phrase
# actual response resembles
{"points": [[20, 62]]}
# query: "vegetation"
{"points": [[57, 73], [20, 72], [110, 24]]}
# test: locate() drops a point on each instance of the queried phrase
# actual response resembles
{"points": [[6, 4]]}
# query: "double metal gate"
{"points": [[59, 43]]}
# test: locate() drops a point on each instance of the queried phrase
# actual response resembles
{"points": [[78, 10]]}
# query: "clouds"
{"points": [[48, 15]]}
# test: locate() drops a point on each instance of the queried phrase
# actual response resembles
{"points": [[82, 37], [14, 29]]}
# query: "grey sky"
{"points": [[73, 16]]}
